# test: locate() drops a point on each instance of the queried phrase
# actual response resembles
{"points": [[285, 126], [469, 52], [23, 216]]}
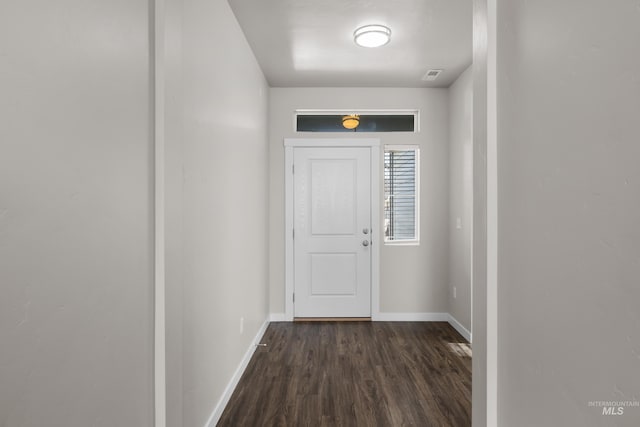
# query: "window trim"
{"points": [[416, 149], [361, 111]]}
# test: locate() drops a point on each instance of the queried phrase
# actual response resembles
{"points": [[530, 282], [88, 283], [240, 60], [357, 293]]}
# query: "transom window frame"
{"points": [[359, 111], [406, 147]]}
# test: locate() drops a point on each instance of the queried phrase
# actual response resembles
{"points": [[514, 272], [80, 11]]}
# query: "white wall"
{"points": [[171, 65], [484, 379], [217, 205], [75, 214], [413, 278], [460, 196], [569, 204]]}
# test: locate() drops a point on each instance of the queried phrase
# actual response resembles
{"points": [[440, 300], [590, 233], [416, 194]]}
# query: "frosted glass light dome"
{"points": [[372, 36]]}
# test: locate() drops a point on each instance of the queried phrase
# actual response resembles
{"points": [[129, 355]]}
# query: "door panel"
{"points": [[333, 197], [333, 274], [332, 219]]}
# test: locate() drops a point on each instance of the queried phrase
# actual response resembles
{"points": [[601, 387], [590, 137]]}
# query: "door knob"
{"points": [[365, 231], [365, 243]]}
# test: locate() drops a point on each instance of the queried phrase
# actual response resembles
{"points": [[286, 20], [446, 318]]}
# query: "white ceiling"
{"points": [[302, 43]]}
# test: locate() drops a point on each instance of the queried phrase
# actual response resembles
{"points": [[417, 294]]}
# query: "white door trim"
{"points": [[158, 105], [289, 145]]}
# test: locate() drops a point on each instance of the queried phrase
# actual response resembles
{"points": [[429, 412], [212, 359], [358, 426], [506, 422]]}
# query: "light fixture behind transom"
{"points": [[372, 36], [351, 121]]}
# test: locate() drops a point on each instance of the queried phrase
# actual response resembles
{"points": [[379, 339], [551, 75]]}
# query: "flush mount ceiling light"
{"points": [[351, 121], [372, 36]]}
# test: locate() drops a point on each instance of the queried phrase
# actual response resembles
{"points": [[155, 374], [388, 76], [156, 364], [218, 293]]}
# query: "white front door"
{"points": [[332, 232]]}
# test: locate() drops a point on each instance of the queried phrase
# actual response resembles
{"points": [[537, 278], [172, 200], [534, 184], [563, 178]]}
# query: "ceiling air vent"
{"points": [[431, 75]]}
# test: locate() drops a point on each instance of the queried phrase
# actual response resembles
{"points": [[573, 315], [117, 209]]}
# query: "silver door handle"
{"points": [[365, 231], [365, 243]]}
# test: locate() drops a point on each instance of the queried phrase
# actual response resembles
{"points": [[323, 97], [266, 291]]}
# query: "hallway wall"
{"points": [[217, 205], [569, 204], [413, 279], [75, 214], [460, 196]]}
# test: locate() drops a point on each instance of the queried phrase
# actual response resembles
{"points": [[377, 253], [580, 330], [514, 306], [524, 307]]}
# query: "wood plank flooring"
{"points": [[355, 374]]}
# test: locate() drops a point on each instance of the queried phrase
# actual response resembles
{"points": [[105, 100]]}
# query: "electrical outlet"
{"points": [[241, 325], [454, 292]]}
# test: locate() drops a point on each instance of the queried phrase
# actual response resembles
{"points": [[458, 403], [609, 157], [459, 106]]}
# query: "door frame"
{"points": [[374, 144]]}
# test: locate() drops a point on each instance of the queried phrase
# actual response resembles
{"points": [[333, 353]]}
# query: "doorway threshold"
{"points": [[332, 319]]}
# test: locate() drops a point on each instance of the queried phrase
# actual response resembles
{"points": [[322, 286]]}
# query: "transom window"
{"points": [[363, 121]]}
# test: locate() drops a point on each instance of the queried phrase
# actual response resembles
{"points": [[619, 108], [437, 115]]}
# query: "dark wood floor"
{"points": [[355, 374]]}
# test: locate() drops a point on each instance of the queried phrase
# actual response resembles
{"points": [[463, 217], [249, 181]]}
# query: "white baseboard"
{"points": [[278, 317], [228, 391], [411, 317], [458, 327], [424, 317], [404, 317]]}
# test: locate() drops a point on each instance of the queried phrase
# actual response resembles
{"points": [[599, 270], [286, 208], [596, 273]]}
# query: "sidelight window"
{"points": [[401, 194]]}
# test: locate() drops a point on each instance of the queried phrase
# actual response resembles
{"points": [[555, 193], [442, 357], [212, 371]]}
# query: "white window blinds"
{"points": [[401, 202]]}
